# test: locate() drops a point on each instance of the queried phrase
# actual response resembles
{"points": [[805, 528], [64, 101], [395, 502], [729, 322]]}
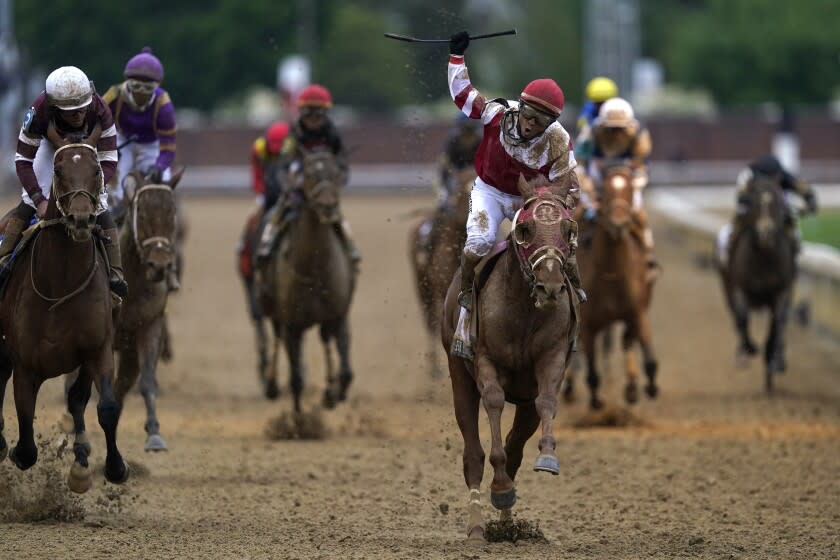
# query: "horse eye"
{"points": [[57, 171], [524, 232]]}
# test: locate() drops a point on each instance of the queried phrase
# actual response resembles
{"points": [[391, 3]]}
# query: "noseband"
{"points": [[99, 208]]}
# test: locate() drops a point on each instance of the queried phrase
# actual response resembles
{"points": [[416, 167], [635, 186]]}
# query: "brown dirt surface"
{"points": [[712, 469]]}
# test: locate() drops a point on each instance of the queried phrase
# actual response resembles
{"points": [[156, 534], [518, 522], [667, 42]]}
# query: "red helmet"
{"points": [[275, 135], [315, 96], [544, 94]]}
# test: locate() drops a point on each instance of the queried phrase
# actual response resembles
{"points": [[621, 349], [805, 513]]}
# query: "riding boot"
{"points": [[343, 230], [172, 281], [268, 233], [116, 274], [13, 233], [650, 258], [573, 274], [468, 264]]}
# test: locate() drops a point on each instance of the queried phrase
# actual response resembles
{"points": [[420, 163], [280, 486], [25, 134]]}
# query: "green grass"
{"points": [[822, 228]]}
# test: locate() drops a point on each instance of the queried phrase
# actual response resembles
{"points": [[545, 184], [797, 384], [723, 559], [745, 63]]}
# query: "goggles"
{"points": [[541, 118], [313, 112], [139, 86]]}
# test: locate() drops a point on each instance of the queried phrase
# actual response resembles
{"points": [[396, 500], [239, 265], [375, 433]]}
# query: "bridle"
{"points": [[158, 241], [95, 200]]}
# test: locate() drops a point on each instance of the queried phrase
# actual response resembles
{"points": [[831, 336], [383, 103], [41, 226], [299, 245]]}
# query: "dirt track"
{"points": [[715, 470]]}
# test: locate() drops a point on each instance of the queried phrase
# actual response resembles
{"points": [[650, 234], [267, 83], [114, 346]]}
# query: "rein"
{"points": [[73, 194], [158, 240], [59, 300]]}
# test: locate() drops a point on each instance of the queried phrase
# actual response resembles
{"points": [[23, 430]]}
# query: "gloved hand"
{"points": [[459, 42], [154, 174]]}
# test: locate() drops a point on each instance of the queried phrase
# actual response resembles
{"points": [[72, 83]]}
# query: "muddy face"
{"points": [[76, 188], [617, 202], [153, 213], [74, 118]]}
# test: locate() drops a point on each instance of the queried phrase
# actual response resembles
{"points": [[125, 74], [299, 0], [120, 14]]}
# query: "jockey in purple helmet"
{"points": [[143, 109]]}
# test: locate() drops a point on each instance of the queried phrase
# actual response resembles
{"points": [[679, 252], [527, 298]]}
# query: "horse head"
{"points": [[322, 180], [616, 206], [765, 210], [544, 236], [152, 222], [77, 182]]}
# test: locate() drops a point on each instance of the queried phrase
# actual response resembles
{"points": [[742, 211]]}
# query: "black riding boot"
{"points": [[468, 264], [13, 233], [116, 274]]}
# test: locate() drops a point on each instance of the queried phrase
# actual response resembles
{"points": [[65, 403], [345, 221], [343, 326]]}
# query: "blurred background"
{"points": [[715, 81]]}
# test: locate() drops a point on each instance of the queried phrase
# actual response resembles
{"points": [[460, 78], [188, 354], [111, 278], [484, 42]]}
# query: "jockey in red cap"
{"points": [[520, 137], [313, 131]]}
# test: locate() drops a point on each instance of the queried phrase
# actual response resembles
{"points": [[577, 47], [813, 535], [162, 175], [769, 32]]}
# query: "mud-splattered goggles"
{"points": [[529, 113], [139, 86], [313, 112]]}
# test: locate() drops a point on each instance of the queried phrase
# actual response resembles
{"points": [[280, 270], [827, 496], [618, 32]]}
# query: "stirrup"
{"points": [[119, 288], [465, 299], [581, 294]]}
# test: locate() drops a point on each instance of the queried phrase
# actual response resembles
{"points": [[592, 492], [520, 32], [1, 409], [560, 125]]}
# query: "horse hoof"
{"points": [[66, 423], [18, 462], [503, 500], [120, 477], [631, 393], [272, 391], [80, 478], [652, 390], [156, 443], [476, 534], [547, 463], [329, 400]]}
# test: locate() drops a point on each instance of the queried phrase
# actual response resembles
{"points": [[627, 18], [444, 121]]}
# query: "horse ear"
{"points": [[526, 189], [176, 177], [93, 138], [54, 137]]}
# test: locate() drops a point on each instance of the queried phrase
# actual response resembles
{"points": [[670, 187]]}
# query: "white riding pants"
{"points": [[488, 207], [134, 156], [43, 167]]}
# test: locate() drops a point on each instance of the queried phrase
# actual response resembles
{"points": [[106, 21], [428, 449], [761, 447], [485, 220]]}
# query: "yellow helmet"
{"points": [[600, 89]]}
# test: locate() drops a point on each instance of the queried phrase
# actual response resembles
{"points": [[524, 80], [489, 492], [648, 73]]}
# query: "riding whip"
{"points": [[408, 39]]}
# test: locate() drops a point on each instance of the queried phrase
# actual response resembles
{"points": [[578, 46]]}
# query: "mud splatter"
{"points": [[514, 530], [610, 417], [304, 425], [483, 220]]}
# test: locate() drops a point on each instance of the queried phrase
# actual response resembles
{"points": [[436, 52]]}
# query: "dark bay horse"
{"points": [[434, 266], [761, 273], [310, 281], [57, 315], [619, 285], [526, 313], [148, 244]]}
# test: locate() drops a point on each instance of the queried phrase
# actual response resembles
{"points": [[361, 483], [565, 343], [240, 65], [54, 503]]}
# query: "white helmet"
{"points": [[68, 88], [616, 113]]}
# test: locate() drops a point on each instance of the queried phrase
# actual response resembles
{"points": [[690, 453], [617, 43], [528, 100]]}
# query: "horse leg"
{"points": [[774, 350], [269, 376], [5, 375], [129, 369], [740, 310], [293, 338], [148, 347], [592, 378], [108, 412], [631, 366], [466, 400], [65, 423], [502, 490], [549, 372], [568, 379], [345, 373], [651, 363], [330, 391], [24, 454], [525, 423], [80, 478]]}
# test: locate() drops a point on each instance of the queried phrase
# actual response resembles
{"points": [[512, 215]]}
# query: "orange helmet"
{"points": [[315, 95], [275, 135]]}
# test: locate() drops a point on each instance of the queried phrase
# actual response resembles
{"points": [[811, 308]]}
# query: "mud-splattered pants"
{"points": [[488, 207]]}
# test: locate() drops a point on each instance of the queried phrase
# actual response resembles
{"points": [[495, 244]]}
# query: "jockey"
{"points": [[769, 166], [458, 154], [143, 111], [520, 137], [598, 90], [70, 103], [616, 136], [313, 131], [266, 152]]}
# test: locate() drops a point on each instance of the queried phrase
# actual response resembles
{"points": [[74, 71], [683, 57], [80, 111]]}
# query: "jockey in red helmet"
{"points": [[313, 131], [520, 137]]}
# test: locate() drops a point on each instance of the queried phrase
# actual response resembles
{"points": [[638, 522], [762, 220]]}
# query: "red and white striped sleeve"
{"points": [[464, 94]]}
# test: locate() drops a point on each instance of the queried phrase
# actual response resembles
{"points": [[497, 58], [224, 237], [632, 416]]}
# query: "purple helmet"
{"points": [[144, 66]]}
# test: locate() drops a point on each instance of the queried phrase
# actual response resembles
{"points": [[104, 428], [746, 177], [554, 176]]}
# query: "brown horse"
{"points": [[760, 273], [148, 244], [57, 315], [309, 280], [435, 262], [526, 314], [617, 280]]}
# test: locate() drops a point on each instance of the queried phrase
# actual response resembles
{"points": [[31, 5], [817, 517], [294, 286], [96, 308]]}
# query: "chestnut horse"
{"points": [[309, 280], [56, 314], [435, 263], [760, 273], [526, 313], [618, 284]]}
